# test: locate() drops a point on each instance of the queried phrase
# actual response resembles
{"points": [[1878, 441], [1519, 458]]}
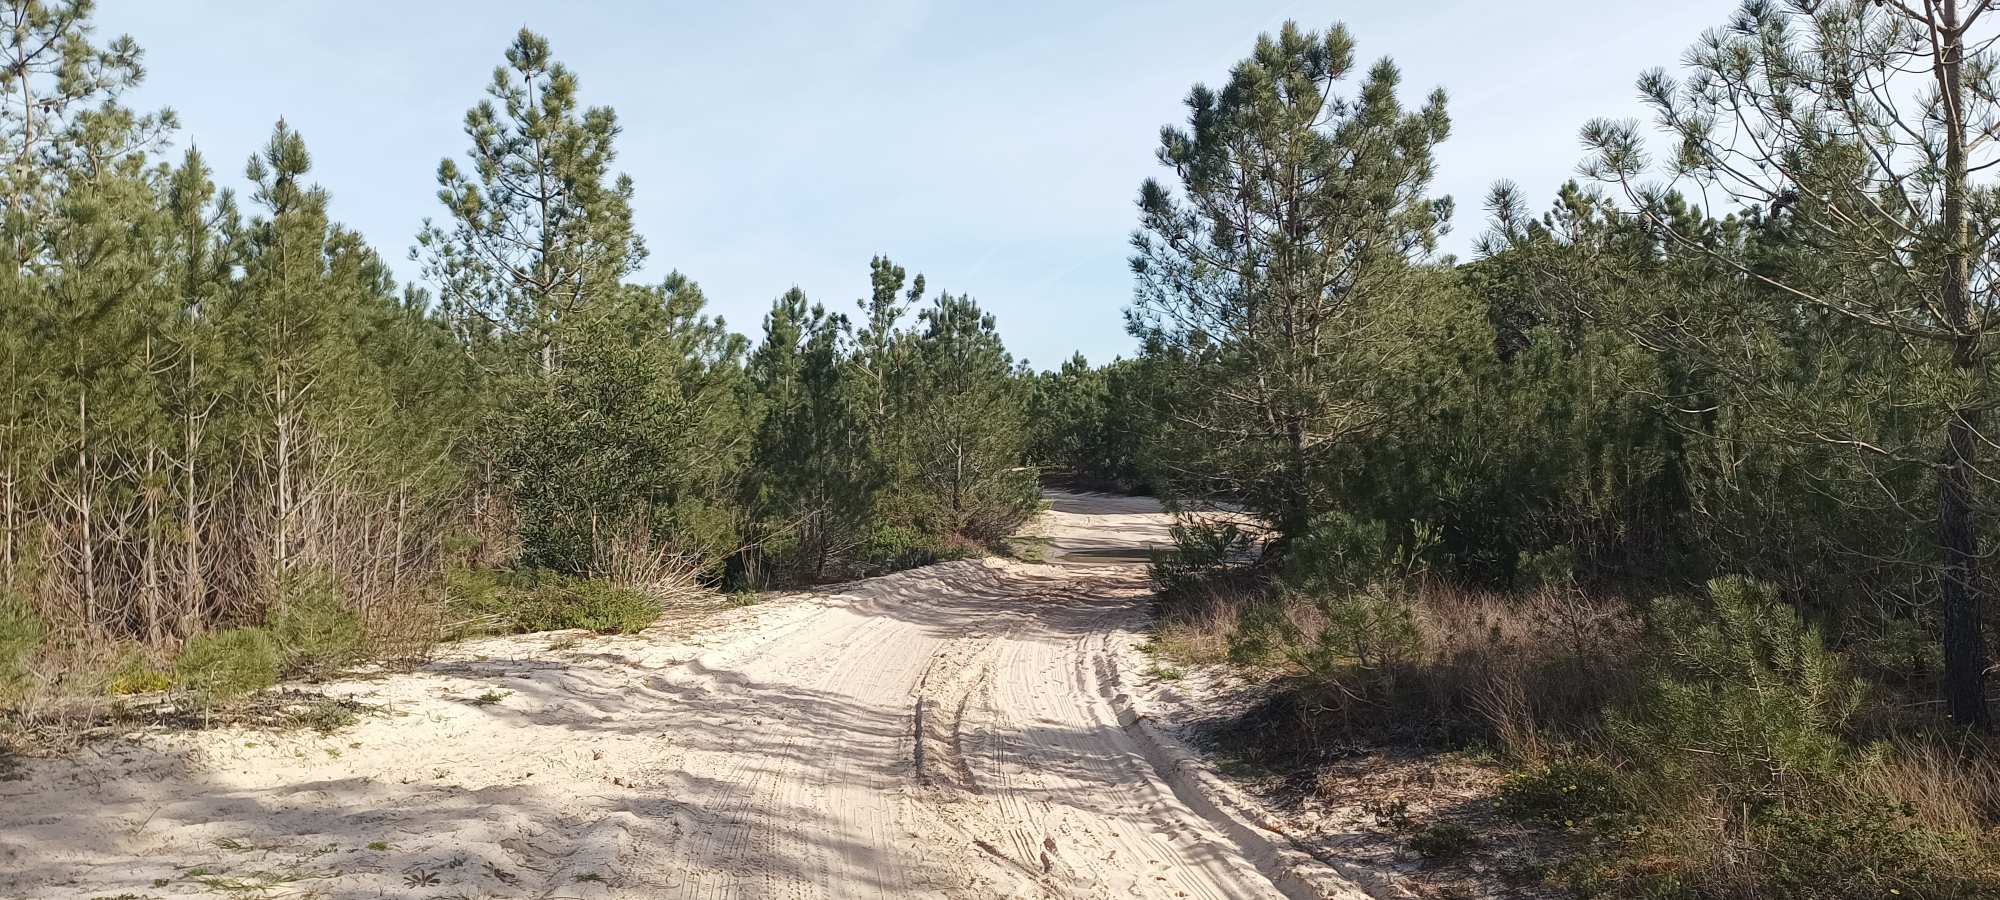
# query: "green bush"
{"points": [[1752, 688], [893, 548], [1201, 552], [1567, 792], [135, 674], [522, 601], [556, 602], [1338, 553], [21, 633], [314, 626], [226, 665], [1444, 841], [1859, 849], [1344, 637]]}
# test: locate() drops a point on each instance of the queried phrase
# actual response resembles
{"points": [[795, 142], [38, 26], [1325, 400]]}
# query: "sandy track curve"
{"points": [[954, 731]]}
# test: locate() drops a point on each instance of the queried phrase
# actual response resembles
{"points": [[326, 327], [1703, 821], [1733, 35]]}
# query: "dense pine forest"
{"points": [[1674, 498], [227, 427]]}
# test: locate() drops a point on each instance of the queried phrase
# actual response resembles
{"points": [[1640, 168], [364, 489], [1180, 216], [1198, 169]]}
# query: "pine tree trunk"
{"points": [[150, 560], [193, 587], [1964, 642], [86, 511]]}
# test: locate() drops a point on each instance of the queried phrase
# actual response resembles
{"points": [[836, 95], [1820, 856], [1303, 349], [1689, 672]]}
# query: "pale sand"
{"points": [[961, 730]]}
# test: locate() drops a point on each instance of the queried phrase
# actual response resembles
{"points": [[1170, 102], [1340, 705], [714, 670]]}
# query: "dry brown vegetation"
{"points": [[1633, 753]]}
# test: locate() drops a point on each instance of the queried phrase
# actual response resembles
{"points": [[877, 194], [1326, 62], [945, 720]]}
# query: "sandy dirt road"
{"points": [[955, 731]]}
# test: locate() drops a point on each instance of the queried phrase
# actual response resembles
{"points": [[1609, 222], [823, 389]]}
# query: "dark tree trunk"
{"points": [[1958, 537]]}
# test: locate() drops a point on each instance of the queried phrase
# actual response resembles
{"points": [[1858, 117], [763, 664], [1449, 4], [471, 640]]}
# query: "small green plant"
{"points": [[325, 716], [891, 548], [134, 674], [538, 600], [1566, 793], [1444, 841], [1753, 686], [1165, 673], [226, 665], [1201, 551], [313, 624], [378, 846], [489, 698]]}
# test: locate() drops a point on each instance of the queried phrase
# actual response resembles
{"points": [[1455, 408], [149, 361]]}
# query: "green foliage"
{"points": [[525, 601], [1567, 792], [1350, 640], [1240, 292], [1202, 551], [888, 548], [1444, 841], [554, 603], [1338, 552], [228, 665], [135, 674], [629, 439], [313, 625], [1091, 425], [1752, 689], [1868, 848]]}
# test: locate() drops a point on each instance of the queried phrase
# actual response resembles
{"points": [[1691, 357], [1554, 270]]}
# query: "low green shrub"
{"points": [[893, 548], [1444, 841], [1566, 792], [1202, 552], [227, 665], [1862, 848], [1751, 688], [1351, 638], [314, 627], [1338, 553], [135, 674], [524, 601], [557, 602]]}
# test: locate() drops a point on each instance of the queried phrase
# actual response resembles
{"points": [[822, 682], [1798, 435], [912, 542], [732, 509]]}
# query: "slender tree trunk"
{"points": [[193, 587], [86, 510], [1964, 642], [150, 561]]}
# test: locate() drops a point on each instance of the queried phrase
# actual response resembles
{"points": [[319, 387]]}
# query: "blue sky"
{"points": [[995, 147]]}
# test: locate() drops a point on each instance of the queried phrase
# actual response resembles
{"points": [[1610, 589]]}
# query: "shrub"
{"points": [[226, 665], [1444, 841], [1338, 553], [1344, 637], [1749, 686], [134, 674], [21, 633], [314, 627], [893, 548], [519, 602], [557, 602], [1566, 792], [1202, 552], [1858, 849]]}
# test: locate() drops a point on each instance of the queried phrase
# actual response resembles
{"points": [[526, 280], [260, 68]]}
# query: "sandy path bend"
{"points": [[954, 731]]}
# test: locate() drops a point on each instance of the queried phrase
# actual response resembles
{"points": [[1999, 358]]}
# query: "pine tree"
{"points": [[809, 465], [963, 411], [540, 231], [1299, 217], [1852, 131]]}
